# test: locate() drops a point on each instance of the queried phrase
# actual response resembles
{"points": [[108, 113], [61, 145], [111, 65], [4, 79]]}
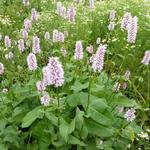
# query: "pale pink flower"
{"points": [[132, 30], [91, 4], [26, 2], [130, 115], [21, 45], [47, 36], [36, 45], [127, 75], [25, 34], [112, 15], [27, 24], [111, 26], [78, 51], [32, 62], [146, 58], [7, 41], [40, 86], [1, 68], [45, 99], [61, 37], [63, 11], [55, 35], [90, 49], [126, 20], [56, 72], [58, 9], [34, 14], [71, 14], [46, 76], [98, 60]]}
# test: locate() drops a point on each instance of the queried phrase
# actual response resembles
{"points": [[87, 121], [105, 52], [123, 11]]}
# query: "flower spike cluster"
{"points": [[98, 59]]}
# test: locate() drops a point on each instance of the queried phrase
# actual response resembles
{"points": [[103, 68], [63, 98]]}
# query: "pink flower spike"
{"points": [[1, 68], [78, 51], [130, 115], [45, 99], [146, 58], [32, 62]]}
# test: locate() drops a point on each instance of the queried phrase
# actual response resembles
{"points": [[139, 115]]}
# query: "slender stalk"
{"points": [[58, 104], [89, 92], [148, 88]]}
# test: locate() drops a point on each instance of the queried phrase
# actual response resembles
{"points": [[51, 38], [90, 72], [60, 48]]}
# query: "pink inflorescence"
{"points": [[36, 45], [90, 49], [126, 20], [32, 62], [46, 76], [112, 15], [27, 24], [78, 51], [146, 58], [127, 75], [55, 35], [40, 86], [98, 60], [21, 45], [91, 4], [45, 99], [56, 72], [71, 14], [111, 26], [61, 10], [47, 36], [61, 37], [25, 2], [53, 73], [1, 68], [25, 34], [130, 115], [132, 30], [7, 41], [34, 15]]}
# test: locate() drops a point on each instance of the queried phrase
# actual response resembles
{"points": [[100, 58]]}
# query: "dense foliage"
{"points": [[88, 89]]}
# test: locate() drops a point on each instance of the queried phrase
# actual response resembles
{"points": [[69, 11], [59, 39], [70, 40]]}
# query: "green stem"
{"points": [[148, 92], [58, 104], [89, 92]]}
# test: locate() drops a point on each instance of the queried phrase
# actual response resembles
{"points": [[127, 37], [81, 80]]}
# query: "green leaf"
{"points": [[71, 126], [102, 118], [52, 118], [120, 99], [73, 140], [97, 129], [77, 87], [78, 99], [31, 117], [63, 129]]}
